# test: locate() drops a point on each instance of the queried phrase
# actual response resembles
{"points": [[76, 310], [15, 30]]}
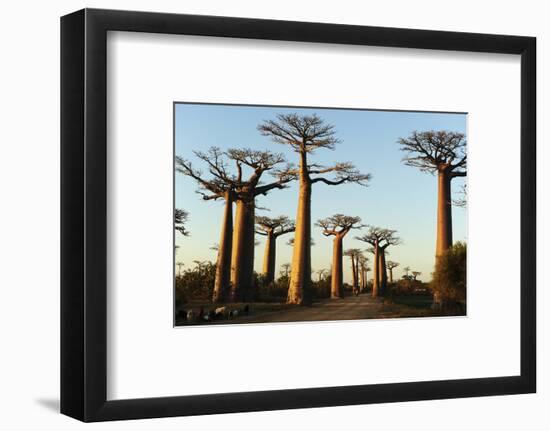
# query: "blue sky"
{"points": [[398, 196]]}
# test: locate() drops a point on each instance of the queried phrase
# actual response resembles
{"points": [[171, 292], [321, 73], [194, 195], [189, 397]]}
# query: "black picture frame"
{"points": [[84, 214]]}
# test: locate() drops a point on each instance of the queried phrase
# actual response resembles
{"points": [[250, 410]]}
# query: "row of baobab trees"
{"points": [[237, 177], [337, 226]]}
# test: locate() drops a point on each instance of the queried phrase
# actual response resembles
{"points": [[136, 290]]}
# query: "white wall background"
{"points": [[29, 220]]}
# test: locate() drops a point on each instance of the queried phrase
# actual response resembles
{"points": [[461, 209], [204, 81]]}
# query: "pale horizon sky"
{"points": [[398, 196]]}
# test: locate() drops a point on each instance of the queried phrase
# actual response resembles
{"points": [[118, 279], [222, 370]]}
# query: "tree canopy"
{"points": [[338, 224], [433, 151], [180, 219], [277, 226]]}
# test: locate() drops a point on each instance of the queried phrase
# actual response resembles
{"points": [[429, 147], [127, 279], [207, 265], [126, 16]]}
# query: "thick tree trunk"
{"points": [[375, 271], [242, 259], [300, 277], [383, 275], [337, 275], [223, 264], [444, 213], [362, 281], [354, 274], [269, 257]]}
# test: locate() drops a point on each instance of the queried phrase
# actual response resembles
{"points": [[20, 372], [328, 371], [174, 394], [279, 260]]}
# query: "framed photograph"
{"points": [[262, 215]]}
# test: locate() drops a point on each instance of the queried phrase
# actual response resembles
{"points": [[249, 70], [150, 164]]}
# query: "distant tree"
{"points": [[272, 228], [444, 153], [338, 226], [322, 273], [179, 265], [380, 239], [285, 269], [416, 274], [390, 264], [407, 269], [353, 254], [305, 134], [363, 270]]}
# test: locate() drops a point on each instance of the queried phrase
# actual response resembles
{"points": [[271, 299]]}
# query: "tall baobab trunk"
{"points": [[444, 213], [300, 277], [269, 257], [363, 282], [354, 273], [242, 259], [337, 278], [223, 265], [382, 274], [391, 275], [375, 271]]}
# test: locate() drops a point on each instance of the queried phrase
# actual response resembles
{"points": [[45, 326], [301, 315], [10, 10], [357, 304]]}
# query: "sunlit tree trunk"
{"points": [[382, 274], [300, 277], [354, 274], [444, 213], [223, 265], [337, 273], [242, 260], [269, 257]]}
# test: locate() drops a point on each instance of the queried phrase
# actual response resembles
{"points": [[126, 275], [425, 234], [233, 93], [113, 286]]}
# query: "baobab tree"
{"points": [[444, 153], [407, 269], [272, 228], [363, 270], [380, 239], [389, 238], [235, 263], [390, 264], [353, 254], [322, 273], [285, 269], [338, 226], [220, 185], [305, 134], [180, 219], [242, 259], [179, 265], [416, 274]]}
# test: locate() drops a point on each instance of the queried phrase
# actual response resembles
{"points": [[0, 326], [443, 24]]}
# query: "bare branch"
{"points": [[462, 201], [180, 218], [345, 172], [303, 133], [433, 151], [390, 264], [379, 237], [339, 224], [276, 226]]}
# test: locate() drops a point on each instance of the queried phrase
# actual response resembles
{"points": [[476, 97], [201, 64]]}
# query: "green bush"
{"points": [[196, 283], [449, 279]]}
